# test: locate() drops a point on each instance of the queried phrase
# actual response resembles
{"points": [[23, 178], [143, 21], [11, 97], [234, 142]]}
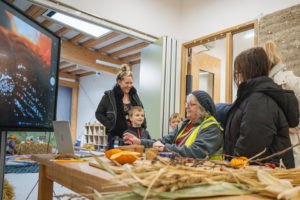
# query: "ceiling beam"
{"points": [[68, 83], [131, 57], [32, 10], [116, 44], [93, 42], [135, 62], [39, 12], [86, 74], [69, 76], [130, 49], [46, 23], [65, 69], [62, 31], [78, 37], [63, 63], [86, 57], [78, 71]]}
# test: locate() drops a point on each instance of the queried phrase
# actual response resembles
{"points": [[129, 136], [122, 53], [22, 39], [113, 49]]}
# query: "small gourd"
{"points": [[239, 162], [125, 157], [111, 152]]}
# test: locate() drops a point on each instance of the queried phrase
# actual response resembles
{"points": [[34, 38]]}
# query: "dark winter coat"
{"points": [[110, 111], [259, 119], [143, 132]]}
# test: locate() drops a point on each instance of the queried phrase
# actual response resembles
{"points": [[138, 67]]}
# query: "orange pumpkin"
{"points": [[111, 152], [125, 157], [239, 162], [12, 137]]}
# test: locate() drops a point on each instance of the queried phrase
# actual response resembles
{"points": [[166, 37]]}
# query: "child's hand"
{"points": [[158, 145], [131, 139]]}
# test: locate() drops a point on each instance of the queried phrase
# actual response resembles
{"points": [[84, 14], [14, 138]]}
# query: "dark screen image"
{"points": [[28, 68]]}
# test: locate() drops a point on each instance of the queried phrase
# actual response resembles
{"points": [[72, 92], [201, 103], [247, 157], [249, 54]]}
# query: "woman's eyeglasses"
{"points": [[190, 104]]}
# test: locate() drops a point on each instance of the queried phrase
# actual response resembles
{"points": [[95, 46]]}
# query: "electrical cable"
{"points": [[32, 189]]}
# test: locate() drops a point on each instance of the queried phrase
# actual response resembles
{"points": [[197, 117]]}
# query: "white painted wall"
{"points": [[155, 17], [91, 90], [181, 19]]}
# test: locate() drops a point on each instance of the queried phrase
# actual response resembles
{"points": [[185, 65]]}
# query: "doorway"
{"points": [[231, 42], [206, 70]]}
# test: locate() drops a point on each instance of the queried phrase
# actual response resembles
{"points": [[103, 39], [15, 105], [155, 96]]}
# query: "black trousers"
{"points": [[111, 140]]}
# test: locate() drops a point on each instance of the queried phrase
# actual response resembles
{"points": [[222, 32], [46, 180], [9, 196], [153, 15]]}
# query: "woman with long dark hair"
{"points": [[260, 117]]}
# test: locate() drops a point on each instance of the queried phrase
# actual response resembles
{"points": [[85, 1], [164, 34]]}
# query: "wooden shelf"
{"points": [[95, 135]]}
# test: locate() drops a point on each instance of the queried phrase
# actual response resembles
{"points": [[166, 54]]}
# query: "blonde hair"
{"points": [[134, 108], [273, 53], [175, 116], [124, 72]]}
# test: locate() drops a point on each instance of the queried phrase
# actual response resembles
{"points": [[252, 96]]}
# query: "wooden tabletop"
{"points": [[79, 177], [76, 176]]}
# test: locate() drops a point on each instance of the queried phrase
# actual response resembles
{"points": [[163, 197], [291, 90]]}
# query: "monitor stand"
{"points": [[2, 160]]}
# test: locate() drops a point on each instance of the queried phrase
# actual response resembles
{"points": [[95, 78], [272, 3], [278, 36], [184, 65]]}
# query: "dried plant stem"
{"points": [[161, 171], [276, 154]]}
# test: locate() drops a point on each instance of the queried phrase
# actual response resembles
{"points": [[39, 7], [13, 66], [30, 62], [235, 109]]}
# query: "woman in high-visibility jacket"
{"points": [[198, 136]]}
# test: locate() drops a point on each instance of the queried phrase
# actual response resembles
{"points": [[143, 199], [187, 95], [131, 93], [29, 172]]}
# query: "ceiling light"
{"points": [[83, 26], [107, 63]]}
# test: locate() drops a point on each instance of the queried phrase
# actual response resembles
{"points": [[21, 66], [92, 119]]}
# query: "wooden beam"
{"points": [[130, 49], [74, 109], [116, 44], [65, 69], [68, 83], [183, 80], [10, 1], [63, 63], [86, 57], [46, 23], [78, 37], [39, 13], [78, 71], [32, 10], [69, 76], [86, 74], [131, 57], [221, 34], [228, 80], [135, 62], [62, 31], [93, 42]]}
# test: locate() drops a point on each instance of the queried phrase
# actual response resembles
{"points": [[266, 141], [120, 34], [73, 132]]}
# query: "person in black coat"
{"points": [[113, 108], [260, 117]]}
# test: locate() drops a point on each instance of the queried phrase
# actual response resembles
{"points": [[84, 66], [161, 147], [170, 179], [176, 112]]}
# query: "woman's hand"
{"points": [[158, 145], [131, 139]]}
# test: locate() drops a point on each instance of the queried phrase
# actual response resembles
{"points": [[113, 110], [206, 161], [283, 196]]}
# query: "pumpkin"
{"points": [[239, 162], [111, 152], [125, 157], [12, 137]]}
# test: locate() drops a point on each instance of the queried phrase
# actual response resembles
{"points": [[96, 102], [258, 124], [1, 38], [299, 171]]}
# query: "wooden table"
{"points": [[78, 176], [75, 176]]}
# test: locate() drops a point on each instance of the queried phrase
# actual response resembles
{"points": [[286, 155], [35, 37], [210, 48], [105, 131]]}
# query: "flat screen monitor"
{"points": [[29, 56]]}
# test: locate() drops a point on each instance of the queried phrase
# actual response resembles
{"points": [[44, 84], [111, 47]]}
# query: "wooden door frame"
{"points": [[226, 33], [74, 105]]}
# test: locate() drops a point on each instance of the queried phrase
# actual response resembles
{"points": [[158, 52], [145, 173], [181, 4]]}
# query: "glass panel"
{"points": [[206, 82], [241, 41], [213, 56]]}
